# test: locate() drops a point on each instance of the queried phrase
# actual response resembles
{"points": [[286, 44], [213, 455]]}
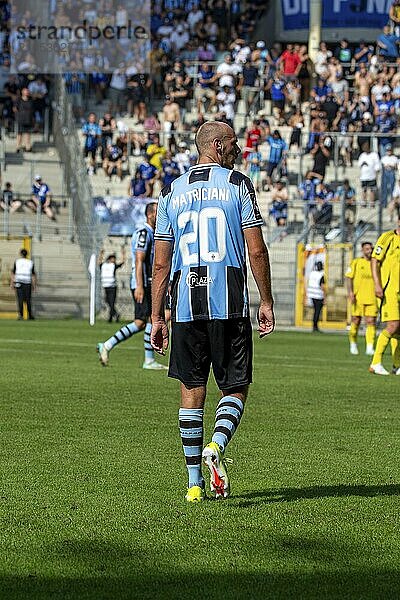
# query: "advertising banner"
{"points": [[337, 14]]}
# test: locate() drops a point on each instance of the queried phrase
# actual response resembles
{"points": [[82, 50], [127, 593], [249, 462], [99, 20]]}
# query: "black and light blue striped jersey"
{"points": [[143, 241], [203, 213]]}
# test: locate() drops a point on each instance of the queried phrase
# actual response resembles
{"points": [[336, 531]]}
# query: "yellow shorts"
{"points": [[364, 310], [390, 308]]}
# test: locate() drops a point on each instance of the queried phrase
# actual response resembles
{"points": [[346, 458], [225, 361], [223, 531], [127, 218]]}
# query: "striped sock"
{"points": [[121, 335], [148, 350], [227, 418], [191, 430]]}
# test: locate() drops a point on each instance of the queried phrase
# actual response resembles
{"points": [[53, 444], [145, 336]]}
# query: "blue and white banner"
{"points": [[371, 14], [123, 214]]}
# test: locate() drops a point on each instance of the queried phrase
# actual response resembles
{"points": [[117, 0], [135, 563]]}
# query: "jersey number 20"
{"points": [[200, 235]]}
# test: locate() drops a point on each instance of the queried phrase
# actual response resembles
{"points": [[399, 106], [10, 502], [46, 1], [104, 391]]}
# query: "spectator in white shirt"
{"points": [[321, 60], [195, 16], [179, 38], [369, 165], [227, 72], [226, 99]]}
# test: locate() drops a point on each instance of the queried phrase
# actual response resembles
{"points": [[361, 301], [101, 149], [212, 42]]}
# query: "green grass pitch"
{"points": [[93, 478]]}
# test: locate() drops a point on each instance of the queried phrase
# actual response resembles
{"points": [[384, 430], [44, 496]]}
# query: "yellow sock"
{"points": [[353, 331], [395, 345], [381, 344], [370, 333]]}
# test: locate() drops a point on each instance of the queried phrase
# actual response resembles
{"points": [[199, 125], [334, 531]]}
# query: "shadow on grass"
{"points": [[315, 492], [82, 570]]}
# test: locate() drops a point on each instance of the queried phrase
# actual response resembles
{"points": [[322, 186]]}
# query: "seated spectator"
{"points": [[148, 173], [156, 151], [152, 123], [112, 163], [320, 91], [279, 204], [7, 201], [205, 88], [170, 169], [137, 186], [41, 198]]}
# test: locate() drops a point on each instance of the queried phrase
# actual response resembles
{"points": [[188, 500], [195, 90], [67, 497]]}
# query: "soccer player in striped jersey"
{"points": [[205, 220], [361, 293], [142, 263], [385, 265]]}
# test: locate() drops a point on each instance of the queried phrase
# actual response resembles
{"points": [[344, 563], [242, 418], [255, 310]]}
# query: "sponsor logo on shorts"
{"points": [[194, 280]]}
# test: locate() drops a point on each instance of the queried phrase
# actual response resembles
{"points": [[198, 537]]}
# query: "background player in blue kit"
{"points": [[142, 263], [205, 219]]}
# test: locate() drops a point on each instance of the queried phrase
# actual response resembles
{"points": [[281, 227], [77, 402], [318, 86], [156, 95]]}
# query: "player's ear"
{"points": [[218, 146]]}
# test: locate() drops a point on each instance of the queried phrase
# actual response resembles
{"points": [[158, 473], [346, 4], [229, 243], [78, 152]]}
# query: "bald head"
{"points": [[210, 131], [217, 142]]}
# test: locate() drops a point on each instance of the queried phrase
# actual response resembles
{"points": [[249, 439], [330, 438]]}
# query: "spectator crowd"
{"points": [[204, 57]]}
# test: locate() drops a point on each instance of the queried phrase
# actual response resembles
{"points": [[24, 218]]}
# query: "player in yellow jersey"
{"points": [[361, 292], [385, 264]]}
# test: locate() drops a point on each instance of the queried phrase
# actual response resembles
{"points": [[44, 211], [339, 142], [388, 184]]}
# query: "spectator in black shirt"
{"points": [[247, 83], [138, 87], [7, 202], [23, 110]]}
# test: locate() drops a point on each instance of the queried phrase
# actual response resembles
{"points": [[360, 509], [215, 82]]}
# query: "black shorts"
{"points": [[227, 345], [143, 309], [370, 183], [90, 152], [271, 168], [280, 104]]}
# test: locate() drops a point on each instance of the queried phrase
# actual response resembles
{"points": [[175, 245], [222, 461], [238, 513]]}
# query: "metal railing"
{"points": [[89, 232]]}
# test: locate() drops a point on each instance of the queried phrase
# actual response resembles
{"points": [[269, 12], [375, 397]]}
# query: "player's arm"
{"points": [[159, 286], [34, 279], [349, 283], [376, 275], [139, 262], [260, 267]]}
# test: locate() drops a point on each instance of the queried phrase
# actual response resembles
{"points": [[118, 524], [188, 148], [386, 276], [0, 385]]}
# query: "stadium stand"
{"points": [[208, 62]]}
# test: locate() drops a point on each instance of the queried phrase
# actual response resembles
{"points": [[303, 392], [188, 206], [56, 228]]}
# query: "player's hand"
{"points": [[378, 291], [266, 319], [139, 294], [159, 336]]}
